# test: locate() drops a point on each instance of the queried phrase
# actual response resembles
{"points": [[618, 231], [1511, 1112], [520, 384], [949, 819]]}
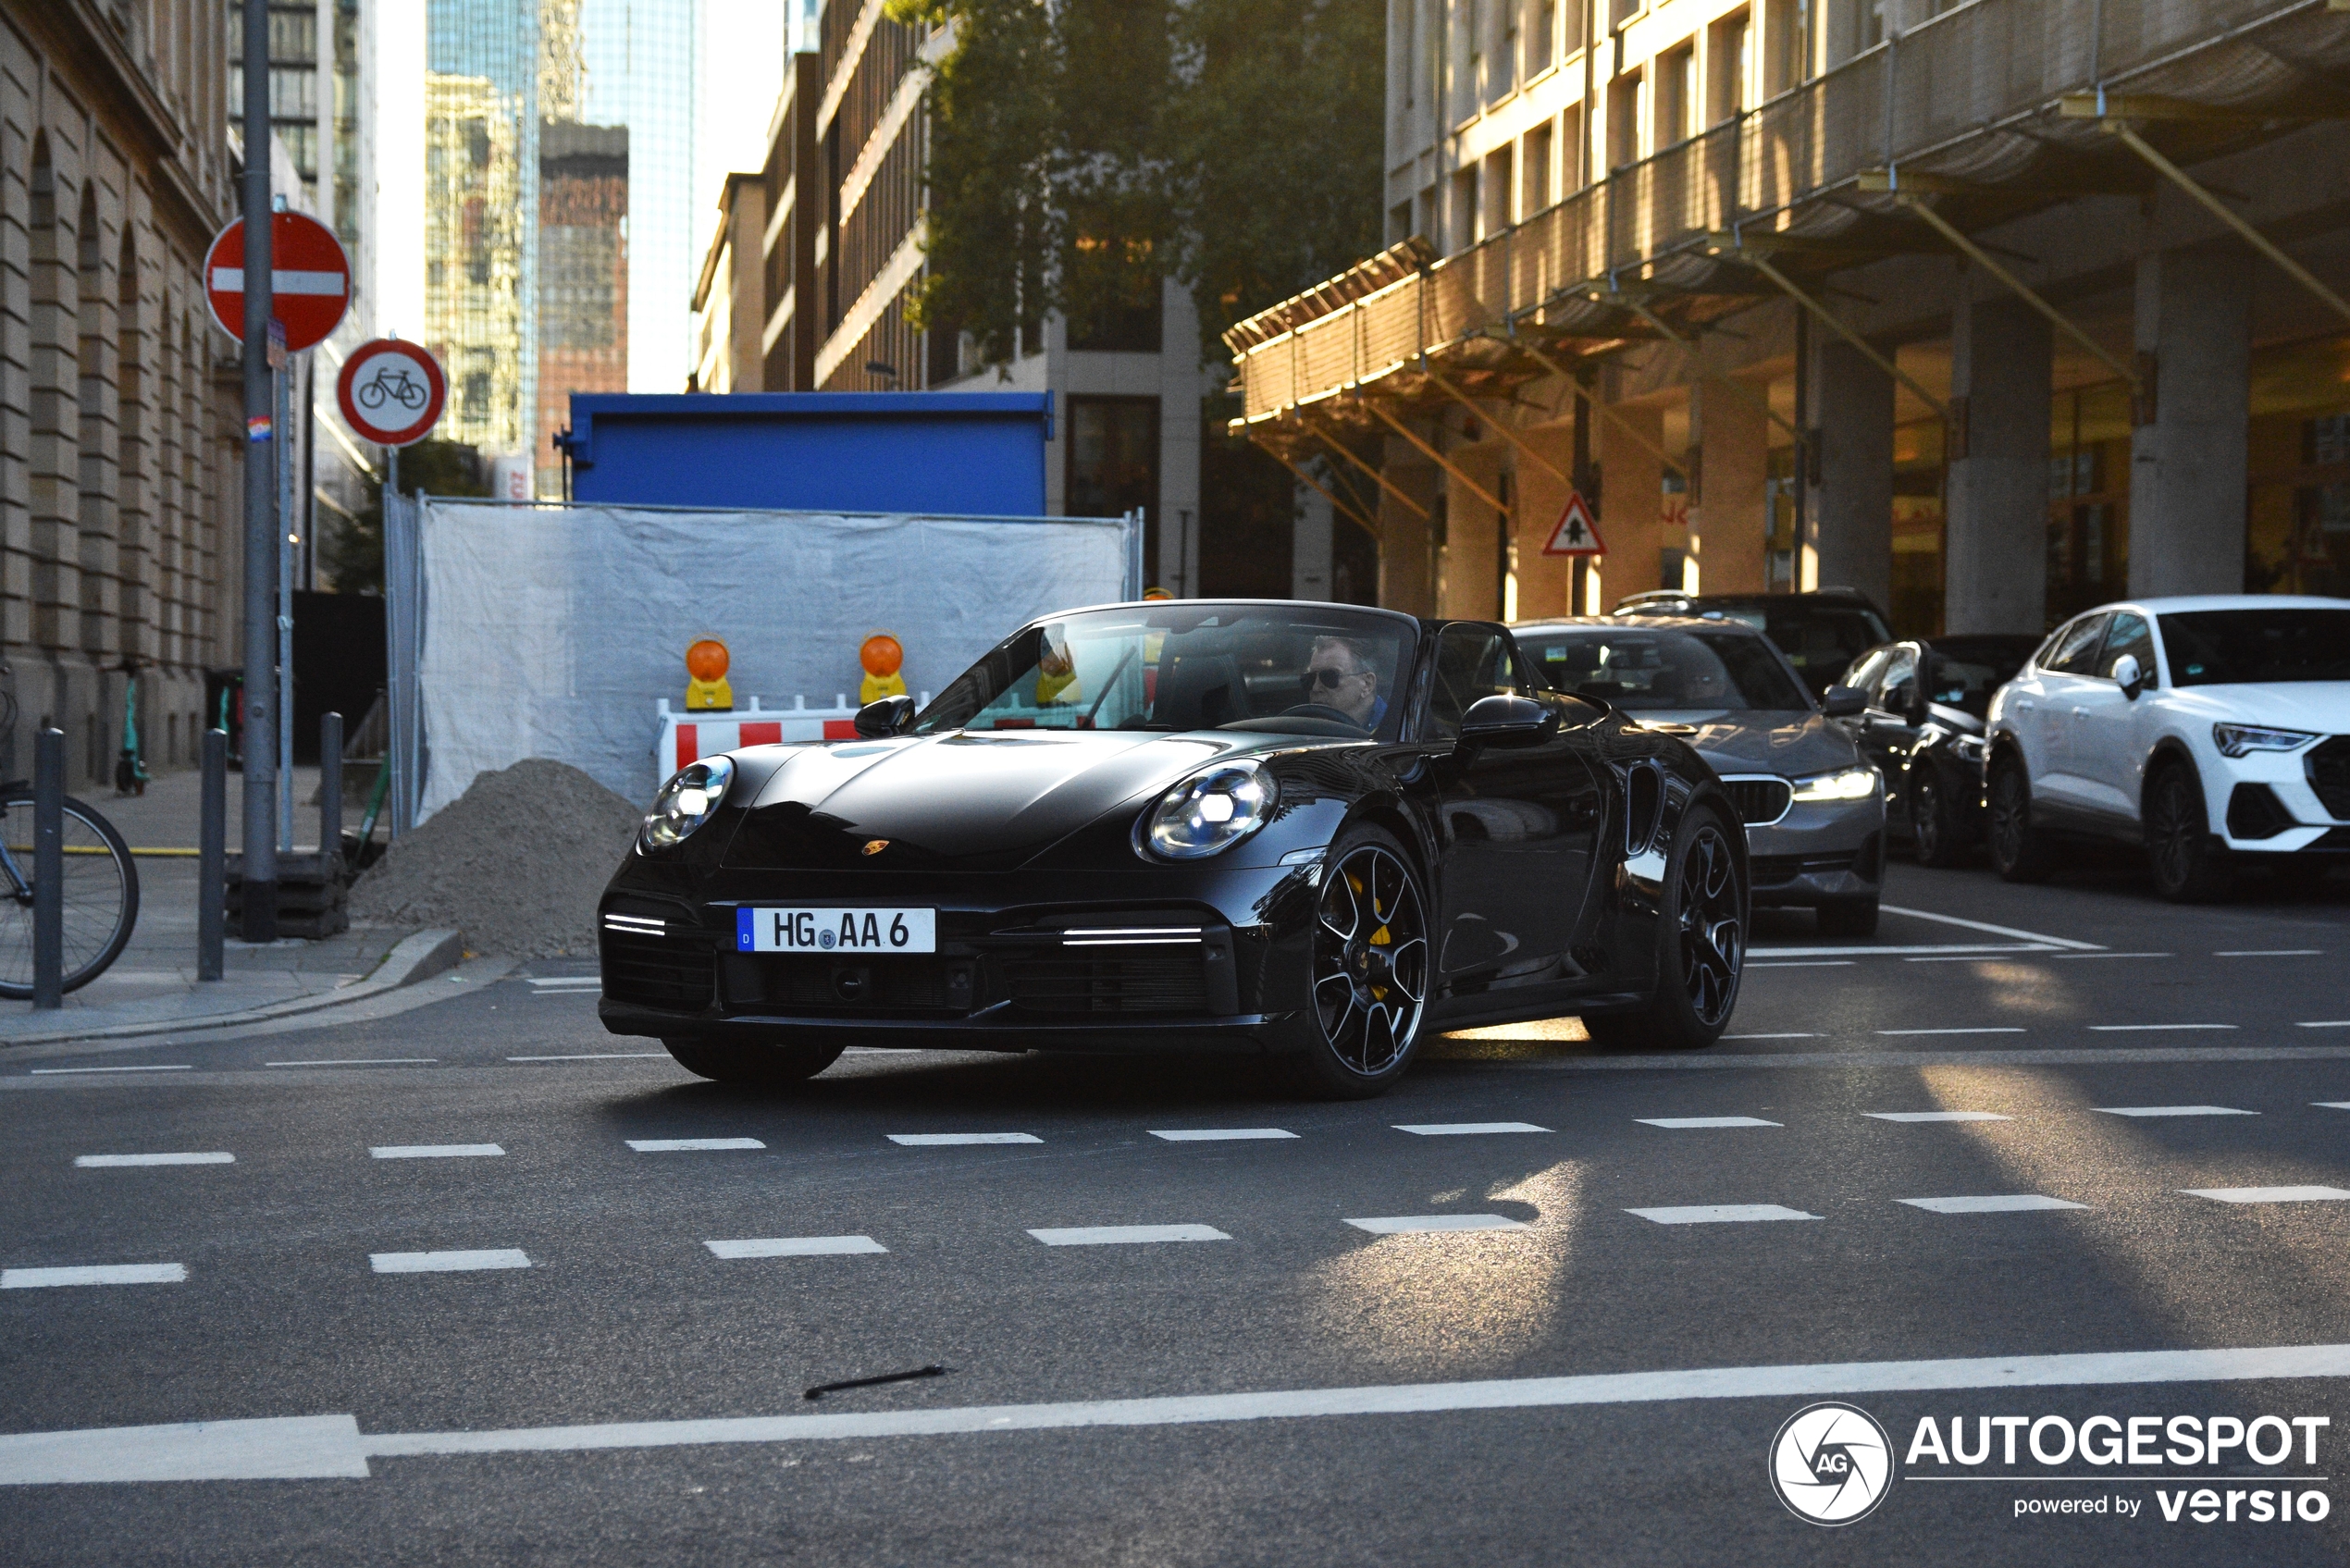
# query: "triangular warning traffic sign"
{"points": [[1577, 533]]}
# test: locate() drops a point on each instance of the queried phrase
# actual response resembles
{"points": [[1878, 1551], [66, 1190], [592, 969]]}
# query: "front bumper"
{"points": [[1155, 959], [1819, 851]]}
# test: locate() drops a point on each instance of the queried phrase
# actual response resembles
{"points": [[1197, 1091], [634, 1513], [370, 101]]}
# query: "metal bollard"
{"points": [[49, 869], [329, 789], [211, 858]]}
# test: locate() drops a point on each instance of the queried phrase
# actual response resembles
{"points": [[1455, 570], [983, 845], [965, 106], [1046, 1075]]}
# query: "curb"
{"points": [[417, 956]]}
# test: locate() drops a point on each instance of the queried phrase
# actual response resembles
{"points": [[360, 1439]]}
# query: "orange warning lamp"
{"points": [[706, 686], [1152, 595], [881, 658]]}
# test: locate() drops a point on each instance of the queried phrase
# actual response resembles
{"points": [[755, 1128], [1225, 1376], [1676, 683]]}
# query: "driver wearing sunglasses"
{"points": [[1338, 677]]}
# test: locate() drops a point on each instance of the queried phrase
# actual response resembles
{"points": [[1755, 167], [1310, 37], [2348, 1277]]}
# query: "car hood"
{"points": [[964, 801], [1793, 744], [2320, 706]]}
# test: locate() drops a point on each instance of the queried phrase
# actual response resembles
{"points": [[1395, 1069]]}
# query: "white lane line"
{"points": [[1125, 1235], [2331, 1104], [2153, 1028], [1995, 931], [795, 1246], [2269, 1194], [1806, 964], [600, 1056], [309, 1446], [563, 979], [448, 1263], [2324, 1023], [174, 1067], [957, 1140], [358, 1062], [684, 1145], [98, 1273], [1220, 1134], [2172, 1111], [2117, 954], [1975, 957], [569, 991], [437, 1150], [1415, 1224], [2270, 953], [1769, 1037], [1465, 1129], [2004, 1202], [1999, 1031], [1934, 1116], [1720, 1214], [1682, 1123], [108, 1162], [1895, 950]]}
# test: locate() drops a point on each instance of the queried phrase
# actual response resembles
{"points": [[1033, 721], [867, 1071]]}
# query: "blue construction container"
{"points": [[973, 455]]}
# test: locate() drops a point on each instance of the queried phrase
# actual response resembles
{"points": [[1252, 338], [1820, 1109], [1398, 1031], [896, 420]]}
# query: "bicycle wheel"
{"points": [[101, 895]]}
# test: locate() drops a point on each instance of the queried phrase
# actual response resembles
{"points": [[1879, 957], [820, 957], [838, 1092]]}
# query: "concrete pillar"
{"points": [[1730, 523], [1470, 573], [1309, 555], [1631, 504], [1542, 579], [1851, 503], [1995, 563], [2187, 467], [1407, 552]]}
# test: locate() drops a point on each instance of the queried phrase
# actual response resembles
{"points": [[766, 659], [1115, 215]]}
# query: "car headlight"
{"points": [[1210, 811], [2235, 740], [1853, 783], [686, 801]]}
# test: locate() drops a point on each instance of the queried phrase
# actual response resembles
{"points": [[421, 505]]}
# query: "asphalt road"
{"points": [[1596, 1375]]}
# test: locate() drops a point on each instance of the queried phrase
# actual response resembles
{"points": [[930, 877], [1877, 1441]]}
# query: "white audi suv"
{"points": [[2214, 730]]}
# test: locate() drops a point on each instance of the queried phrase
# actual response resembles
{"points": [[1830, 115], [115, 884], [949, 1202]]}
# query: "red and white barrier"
{"points": [[686, 736]]}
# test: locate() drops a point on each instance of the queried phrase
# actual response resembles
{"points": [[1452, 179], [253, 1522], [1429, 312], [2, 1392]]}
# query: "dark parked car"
{"points": [[1820, 633], [1814, 808], [1300, 829], [1923, 729]]}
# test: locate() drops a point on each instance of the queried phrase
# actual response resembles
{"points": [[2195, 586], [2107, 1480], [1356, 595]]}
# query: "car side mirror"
{"points": [[2129, 675], [1843, 702], [1502, 719], [890, 716]]}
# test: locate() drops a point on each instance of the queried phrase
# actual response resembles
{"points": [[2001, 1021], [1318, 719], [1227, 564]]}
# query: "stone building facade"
{"points": [[120, 467]]}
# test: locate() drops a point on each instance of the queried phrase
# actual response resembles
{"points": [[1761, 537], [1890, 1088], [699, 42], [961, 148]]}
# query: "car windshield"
{"points": [[2212, 647], [1284, 668], [1965, 678], [1646, 670], [1820, 640]]}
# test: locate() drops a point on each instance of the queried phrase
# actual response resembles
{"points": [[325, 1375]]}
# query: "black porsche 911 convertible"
{"points": [[1306, 831]]}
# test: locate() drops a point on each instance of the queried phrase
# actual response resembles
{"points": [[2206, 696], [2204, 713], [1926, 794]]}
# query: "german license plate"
{"points": [[836, 930]]}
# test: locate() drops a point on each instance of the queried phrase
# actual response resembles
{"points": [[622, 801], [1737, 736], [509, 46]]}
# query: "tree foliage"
{"points": [[1083, 150], [351, 551]]}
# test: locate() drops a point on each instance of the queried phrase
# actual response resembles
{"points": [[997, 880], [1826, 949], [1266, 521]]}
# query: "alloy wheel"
{"points": [[1370, 960], [1713, 934], [2172, 828]]}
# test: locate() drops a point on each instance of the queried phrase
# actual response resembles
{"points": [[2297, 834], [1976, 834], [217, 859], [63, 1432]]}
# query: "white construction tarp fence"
{"points": [[520, 631]]}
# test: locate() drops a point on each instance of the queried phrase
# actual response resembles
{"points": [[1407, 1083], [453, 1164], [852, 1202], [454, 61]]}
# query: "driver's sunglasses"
{"points": [[1328, 678]]}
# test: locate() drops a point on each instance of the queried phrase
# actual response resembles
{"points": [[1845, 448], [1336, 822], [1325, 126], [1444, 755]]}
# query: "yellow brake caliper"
{"points": [[1380, 938]]}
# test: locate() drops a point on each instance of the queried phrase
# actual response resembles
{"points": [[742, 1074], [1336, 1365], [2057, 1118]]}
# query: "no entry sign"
{"points": [[391, 392], [309, 279]]}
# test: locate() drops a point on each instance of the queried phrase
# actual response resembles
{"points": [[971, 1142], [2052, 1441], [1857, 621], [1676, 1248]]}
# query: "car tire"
{"points": [[2020, 852], [1371, 971], [752, 1067], [1706, 908], [2189, 865], [1935, 833], [1848, 917]]}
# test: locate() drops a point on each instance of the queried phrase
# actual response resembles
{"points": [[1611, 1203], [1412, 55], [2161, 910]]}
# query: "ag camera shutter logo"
{"points": [[1831, 1463]]}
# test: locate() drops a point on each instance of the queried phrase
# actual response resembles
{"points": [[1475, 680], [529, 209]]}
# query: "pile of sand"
{"points": [[516, 863]]}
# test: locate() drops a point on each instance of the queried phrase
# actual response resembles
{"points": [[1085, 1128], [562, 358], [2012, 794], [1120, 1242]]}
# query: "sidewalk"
{"points": [[153, 988]]}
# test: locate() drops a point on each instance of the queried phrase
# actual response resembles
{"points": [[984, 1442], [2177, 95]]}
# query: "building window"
{"points": [[1534, 169], [1112, 463], [1675, 73]]}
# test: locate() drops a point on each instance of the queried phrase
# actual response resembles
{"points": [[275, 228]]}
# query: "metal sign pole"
{"points": [[286, 514], [260, 741]]}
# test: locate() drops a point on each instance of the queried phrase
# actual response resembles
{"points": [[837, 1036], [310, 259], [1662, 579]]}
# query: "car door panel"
{"points": [[2108, 755], [2066, 687], [1886, 732]]}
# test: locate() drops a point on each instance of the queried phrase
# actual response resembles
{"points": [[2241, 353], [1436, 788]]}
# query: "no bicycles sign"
{"points": [[391, 392]]}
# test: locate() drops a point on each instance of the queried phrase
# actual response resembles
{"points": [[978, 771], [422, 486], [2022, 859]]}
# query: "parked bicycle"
{"points": [[100, 886]]}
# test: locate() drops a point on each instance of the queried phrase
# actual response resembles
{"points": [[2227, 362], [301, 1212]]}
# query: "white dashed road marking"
{"points": [[2271, 952], [1465, 1129], [100, 1274], [2331, 1104], [448, 1263], [2152, 1028], [1995, 931], [1121, 1235], [105, 1162], [2003, 1029], [1805, 964], [2004, 1202], [1769, 1037], [359, 1062], [956, 1139], [1934, 1116], [2270, 1194], [1220, 1134], [1415, 1224], [795, 1246], [437, 1150], [2324, 1023], [1720, 1214], [173, 1066], [1678, 1124], [600, 1056], [2172, 1111], [684, 1145]]}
